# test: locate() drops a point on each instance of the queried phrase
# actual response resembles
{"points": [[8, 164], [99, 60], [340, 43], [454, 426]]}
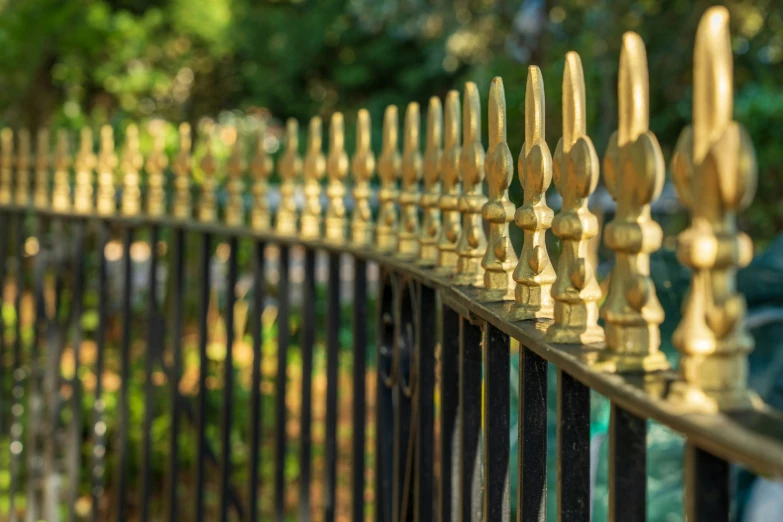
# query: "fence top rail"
{"points": [[435, 224]]}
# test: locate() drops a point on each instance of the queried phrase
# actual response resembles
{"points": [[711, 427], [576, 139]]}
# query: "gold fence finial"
{"points": [[261, 168], [389, 172], [84, 166], [41, 190], [314, 168], [431, 171], [408, 231], [132, 162], [534, 273], [235, 186], [714, 171], [156, 163], [451, 176], [499, 258], [576, 168], [6, 166], [107, 163], [61, 192], [337, 169], [362, 167], [181, 167], [207, 210], [290, 170], [472, 242], [633, 173], [22, 195]]}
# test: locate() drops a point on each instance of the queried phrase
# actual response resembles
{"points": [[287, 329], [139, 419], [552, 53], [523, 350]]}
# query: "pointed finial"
{"points": [[41, 190], [534, 273], [6, 166], [132, 161], [107, 163], [84, 166], [451, 176], [261, 168], [633, 173], [22, 195], [389, 172], [714, 171], [499, 259], [208, 204], [337, 169], [181, 167], [408, 232], [290, 169], [362, 167], [235, 166], [472, 242], [156, 163], [431, 165], [576, 291], [314, 168], [61, 192]]}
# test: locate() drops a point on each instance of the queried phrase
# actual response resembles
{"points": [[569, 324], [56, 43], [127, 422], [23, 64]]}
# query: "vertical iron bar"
{"points": [[177, 291], [228, 381], [149, 357], [204, 275], [707, 486], [99, 425], [573, 449], [255, 390], [531, 494], [124, 424], [75, 443], [449, 413], [627, 466], [18, 380], [425, 431], [34, 429], [308, 340], [385, 412], [497, 420], [283, 334], [470, 422], [4, 217], [359, 389], [332, 354]]}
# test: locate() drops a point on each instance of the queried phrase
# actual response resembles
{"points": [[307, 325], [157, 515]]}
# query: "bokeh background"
{"points": [[71, 63]]}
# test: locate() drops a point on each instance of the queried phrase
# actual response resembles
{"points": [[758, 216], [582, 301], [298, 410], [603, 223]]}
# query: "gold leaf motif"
{"points": [[181, 167], [314, 169], [261, 169], [451, 176], [408, 232], [132, 161], [634, 174], [499, 258], [290, 168], [472, 242], [22, 195], [431, 172], [337, 170], [362, 167], [389, 172], [156, 163], [575, 171], [84, 165], [107, 164], [42, 160], [715, 175]]}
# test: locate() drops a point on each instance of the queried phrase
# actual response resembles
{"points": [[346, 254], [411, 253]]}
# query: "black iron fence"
{"points": [[453, 292]]}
